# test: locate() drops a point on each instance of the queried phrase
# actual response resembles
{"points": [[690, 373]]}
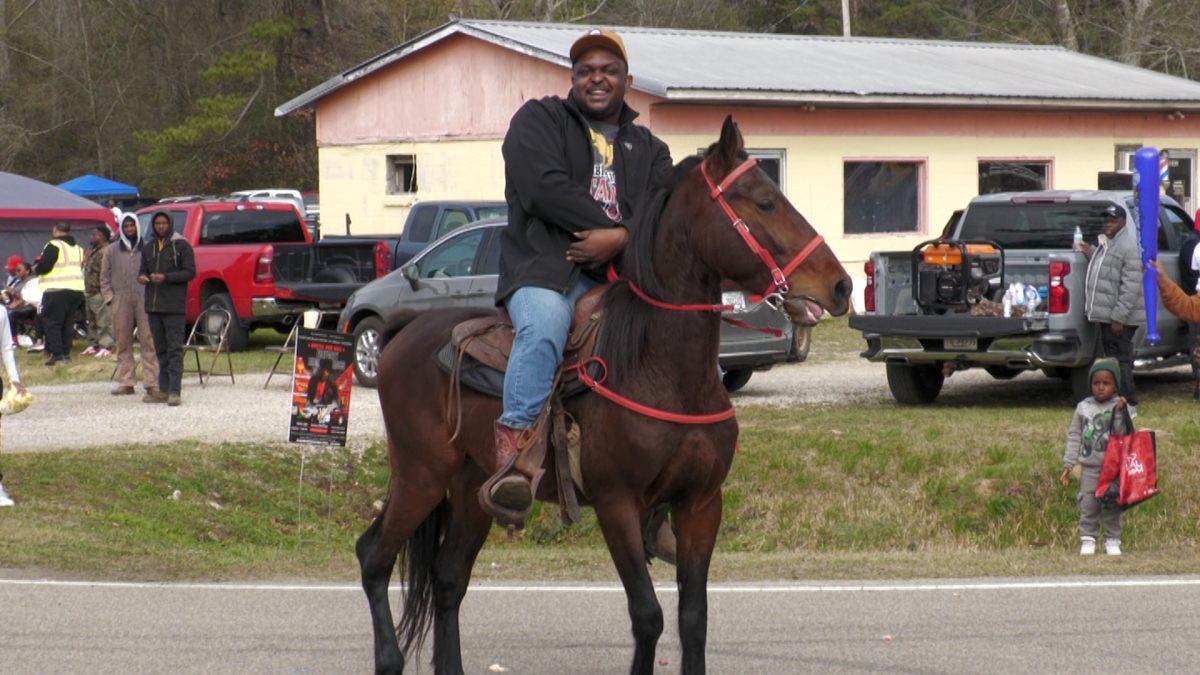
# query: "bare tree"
{"points": [[1066, 24]]}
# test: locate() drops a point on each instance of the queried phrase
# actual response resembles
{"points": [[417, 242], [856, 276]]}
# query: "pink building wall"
{"points": [[460, 88], [795, 121], [464, 88]]}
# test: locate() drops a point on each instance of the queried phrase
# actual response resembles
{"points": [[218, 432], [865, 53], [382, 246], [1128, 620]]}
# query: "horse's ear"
{"points": [[730, 144]]}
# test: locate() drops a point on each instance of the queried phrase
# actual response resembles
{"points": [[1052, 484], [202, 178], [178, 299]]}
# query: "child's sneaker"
{"points": [[1087, 546], [89, 351], [102, 353], [5, 500], [1112, 546]]}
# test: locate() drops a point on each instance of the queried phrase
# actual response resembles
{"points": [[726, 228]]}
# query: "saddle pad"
{"points": [[484, 379]]}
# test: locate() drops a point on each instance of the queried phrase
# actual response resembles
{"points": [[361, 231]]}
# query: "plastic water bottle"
{"points": [[1077, 238]]}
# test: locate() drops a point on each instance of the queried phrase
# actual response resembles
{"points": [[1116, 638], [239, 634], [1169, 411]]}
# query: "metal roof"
{"points": [[691, 65]]}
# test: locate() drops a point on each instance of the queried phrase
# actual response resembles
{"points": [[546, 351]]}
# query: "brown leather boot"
{"points": [[512, 491]]}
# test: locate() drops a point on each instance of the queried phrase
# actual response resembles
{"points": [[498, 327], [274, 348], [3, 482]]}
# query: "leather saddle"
{"points": [[477, 356], [478, 350]]}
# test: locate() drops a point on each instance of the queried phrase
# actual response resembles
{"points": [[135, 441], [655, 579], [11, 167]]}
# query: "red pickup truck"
{"points": [[257, 260]]}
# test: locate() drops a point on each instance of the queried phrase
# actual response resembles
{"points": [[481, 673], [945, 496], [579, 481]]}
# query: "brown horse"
{"points": [[632, 463]]}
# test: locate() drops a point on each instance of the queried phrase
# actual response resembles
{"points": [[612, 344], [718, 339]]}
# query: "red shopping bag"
{"points": [[1129, 474], [1108, 488], [1139, 469]]}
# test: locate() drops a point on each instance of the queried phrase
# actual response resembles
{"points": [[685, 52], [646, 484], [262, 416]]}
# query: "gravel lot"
{"points": [[86, 415]]}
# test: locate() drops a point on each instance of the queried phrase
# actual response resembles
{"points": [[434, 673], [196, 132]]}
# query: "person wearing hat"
{"points": [[1095, 418], [1113, 292], [575, 168], [22, 314]]}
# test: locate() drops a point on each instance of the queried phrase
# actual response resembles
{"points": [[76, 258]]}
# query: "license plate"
{"points": [[969, 344], [735, 298]]}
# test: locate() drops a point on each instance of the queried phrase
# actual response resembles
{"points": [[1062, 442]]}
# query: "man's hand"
{"points": [[158, 277], [143, 279], [1117, 327], [596, 247]]}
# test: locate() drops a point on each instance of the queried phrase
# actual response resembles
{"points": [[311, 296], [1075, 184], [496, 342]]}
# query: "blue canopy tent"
{"points": [[88, 185]]}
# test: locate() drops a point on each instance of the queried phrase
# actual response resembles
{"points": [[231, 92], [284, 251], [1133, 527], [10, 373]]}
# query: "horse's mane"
{"points": [[627, 317]]}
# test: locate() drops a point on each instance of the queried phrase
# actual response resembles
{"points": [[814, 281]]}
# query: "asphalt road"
{"points": [[974, 626]]}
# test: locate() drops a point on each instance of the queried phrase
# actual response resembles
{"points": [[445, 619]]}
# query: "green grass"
{"points": [[88, 369], [963, 488], [821, 492], [834, 340]]}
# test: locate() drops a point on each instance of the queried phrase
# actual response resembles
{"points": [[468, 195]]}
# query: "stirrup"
{"points": [[506, 517]]}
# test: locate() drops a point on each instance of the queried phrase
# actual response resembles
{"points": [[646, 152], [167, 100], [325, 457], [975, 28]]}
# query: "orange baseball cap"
{"points": [[599, 39]]}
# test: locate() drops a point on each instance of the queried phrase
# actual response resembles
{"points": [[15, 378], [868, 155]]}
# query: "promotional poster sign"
{"points": [[321, 375]]}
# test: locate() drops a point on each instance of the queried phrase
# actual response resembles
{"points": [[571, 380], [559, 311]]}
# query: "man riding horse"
{"points": [[574, 169]]}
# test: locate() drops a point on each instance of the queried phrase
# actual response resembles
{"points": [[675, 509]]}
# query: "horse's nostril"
{"points": [[843, 289]]}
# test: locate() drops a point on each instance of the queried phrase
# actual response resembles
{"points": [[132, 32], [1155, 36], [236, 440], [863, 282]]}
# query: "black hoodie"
{"points": [[171, 256], [548, 174]]}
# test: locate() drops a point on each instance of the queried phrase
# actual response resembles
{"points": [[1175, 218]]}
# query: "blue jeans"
{"points": [[542, 320]]}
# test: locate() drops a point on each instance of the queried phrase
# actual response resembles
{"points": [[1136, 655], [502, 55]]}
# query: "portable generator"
{"points": [[951, 276]]}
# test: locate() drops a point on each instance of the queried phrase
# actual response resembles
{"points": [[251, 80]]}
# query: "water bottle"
{"points": [[1077, 238]]}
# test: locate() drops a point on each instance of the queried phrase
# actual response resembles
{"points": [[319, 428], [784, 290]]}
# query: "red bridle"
{"points": [[779, 285], [777, 289]]}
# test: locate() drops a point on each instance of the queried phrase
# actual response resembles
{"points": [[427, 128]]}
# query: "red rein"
{"points": [[778, 287]]}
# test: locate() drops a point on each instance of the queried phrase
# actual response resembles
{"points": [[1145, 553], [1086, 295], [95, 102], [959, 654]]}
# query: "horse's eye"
{"points": [[766, 205]]}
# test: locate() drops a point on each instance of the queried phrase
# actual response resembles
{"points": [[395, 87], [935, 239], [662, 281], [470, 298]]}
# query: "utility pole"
{"points": [[845, 18]]}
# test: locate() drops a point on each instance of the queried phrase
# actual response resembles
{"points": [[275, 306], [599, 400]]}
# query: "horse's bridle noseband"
{"points": [[774, 293]]}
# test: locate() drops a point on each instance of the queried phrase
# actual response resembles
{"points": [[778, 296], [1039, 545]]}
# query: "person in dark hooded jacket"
{"points": [[168, 264], [118, 285]]}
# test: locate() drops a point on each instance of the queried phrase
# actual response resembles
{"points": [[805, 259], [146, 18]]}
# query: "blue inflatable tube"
{"points": [[1146, 191]]}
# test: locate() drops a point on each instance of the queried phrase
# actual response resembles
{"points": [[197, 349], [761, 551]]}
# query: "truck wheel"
{"points": [[1081, 386], [366, 350], [736, 379], [801, 342], [914, 385], [239, 336]]}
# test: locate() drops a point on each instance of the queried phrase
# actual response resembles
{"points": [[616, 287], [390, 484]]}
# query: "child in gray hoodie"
{"points": [[1095, 418]]}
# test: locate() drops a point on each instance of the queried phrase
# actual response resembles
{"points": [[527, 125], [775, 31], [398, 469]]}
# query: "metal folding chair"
{"points": [[286, 349], [210, 334]]}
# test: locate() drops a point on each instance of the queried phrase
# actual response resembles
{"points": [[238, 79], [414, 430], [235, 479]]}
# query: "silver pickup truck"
{"points": [[937, 309]]}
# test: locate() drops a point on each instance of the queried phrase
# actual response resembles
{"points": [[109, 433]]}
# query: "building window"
{"points": [[401, 174], [881, 196], [770, 161], [1013, 176]]}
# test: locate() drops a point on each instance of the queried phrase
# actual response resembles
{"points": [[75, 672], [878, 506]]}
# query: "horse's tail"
{"points": [[417, 558], [396, 323]]}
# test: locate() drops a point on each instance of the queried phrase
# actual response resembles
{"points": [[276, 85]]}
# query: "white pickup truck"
{"points": [[937, 309]]}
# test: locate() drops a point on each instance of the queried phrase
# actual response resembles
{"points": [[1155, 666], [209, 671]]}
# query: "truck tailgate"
{"points": [[948, 325], [325, 293]]}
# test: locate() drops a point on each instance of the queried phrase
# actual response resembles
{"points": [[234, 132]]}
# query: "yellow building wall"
{"points": [[354, 178], [354, 181]]}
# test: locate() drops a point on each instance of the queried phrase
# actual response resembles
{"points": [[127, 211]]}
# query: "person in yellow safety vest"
{"points": [[60, 277]]}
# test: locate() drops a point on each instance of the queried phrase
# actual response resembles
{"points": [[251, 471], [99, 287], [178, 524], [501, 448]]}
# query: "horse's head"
{"points": [[759, 241]]}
